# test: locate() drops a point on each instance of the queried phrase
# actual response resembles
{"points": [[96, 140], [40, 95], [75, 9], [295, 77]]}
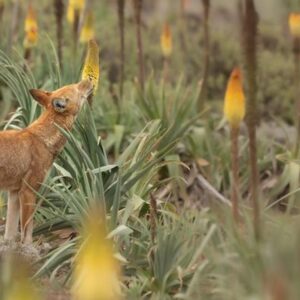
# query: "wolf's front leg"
{"points": [[27, 202], [12, 216]]}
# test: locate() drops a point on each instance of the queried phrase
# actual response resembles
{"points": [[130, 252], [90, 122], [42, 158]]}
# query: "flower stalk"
{"points": [[234, 111], [294, 24], [206, 35], [249, 19]]}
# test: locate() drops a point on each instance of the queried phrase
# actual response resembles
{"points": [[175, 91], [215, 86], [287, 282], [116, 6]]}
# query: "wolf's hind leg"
{"points": [[13, 216]]}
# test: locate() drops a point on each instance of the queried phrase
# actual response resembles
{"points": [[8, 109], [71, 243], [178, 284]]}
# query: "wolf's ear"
{"points": [[40, 96]]}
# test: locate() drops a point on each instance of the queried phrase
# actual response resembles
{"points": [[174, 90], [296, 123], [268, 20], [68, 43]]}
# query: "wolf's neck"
{"points": [[46, 128]]}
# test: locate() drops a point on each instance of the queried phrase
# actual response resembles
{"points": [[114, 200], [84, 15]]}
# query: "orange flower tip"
{"points": [[166, 41], [234, 104], [30, 28], [294, 24]]}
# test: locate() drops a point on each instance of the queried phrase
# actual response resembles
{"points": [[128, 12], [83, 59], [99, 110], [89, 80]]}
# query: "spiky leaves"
{"points": [[234, 111], [91, 68], [97, 272]]}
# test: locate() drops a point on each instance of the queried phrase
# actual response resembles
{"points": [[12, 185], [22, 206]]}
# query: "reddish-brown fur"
{"points": [[26, 155]]}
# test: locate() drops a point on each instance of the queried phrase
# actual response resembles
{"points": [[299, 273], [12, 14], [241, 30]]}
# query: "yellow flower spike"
{"points": [[70, 14], [30, 28], [78, 4], [91, 69], [97, 272], [72, 6], [20, 286], [87, 31], [294, 24], [234, 105], [166, 41]]}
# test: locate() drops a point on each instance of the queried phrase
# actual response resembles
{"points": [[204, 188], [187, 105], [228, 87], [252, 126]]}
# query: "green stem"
{"points": [[234, 134]]}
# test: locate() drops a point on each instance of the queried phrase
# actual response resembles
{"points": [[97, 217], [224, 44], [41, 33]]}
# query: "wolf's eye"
{"points": [[59, 104]]}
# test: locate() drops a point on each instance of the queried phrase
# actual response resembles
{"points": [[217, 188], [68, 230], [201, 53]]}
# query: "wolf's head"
{"points": [[65, 101]]}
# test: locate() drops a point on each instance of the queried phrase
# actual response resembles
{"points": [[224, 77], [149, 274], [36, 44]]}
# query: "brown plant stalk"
{"points": [[76, 30], [166, 68], [121, 7], [296, 51], [2, 7], [206, 34], [153, 218], [249, 46], [59, 9], [182, 27], [137, 12]]}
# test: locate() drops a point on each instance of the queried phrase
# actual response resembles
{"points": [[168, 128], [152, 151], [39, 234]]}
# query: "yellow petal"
{"points": [[234, 105], [166, 41], [294, 23], [91, 69]]}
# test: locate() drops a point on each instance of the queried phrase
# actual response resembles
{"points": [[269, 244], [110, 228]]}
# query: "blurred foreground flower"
{"points": [[17, 283], [234, 105], [294, 24], [97, 272], [31, 29], [166, 41], [91, 69], [87, 31]]}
